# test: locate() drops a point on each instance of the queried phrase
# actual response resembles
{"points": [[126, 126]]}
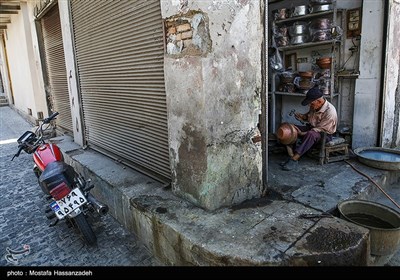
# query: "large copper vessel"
{"points": [[287, 134]]}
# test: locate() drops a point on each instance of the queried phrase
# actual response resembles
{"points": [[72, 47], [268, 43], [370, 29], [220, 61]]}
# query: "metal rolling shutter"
{"points": [[120, 58], [55, 63]]}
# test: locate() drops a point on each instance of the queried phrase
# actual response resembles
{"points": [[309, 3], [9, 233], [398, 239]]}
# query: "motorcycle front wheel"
{"points": [[85, 229]]}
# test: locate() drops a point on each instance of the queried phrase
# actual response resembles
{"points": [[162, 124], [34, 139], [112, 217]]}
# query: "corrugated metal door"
{"points": [[55, 64], [120, 58]]}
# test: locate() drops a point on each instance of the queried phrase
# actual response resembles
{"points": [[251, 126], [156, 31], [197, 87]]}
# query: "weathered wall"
{"points": [[348, 62], [4, 71], [391, 92], [24, 61], [213, 86], [368, 84], [75, 101]]}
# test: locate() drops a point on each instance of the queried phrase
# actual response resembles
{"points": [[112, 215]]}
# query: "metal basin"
{"points": [[321, 8], [383, 223], [299, 11], [381, 158]]}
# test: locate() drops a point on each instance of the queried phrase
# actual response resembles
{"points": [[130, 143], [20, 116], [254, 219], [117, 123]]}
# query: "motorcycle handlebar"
{"points": [[52, 116]]}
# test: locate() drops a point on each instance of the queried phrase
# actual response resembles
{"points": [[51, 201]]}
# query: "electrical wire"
{"points": [[353, 50], [347, 60]]}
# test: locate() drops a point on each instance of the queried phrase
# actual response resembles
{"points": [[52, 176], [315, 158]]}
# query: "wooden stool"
{"points": [[330, 152]]}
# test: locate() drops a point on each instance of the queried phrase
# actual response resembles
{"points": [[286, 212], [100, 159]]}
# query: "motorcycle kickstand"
{"points": [[54, 223]]}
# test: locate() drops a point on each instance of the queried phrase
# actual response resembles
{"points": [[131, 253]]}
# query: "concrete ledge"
{"points": [[333, 243], [266, 231]]}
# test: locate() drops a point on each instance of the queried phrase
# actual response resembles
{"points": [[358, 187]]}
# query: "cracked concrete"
{"points": [[269, 231]]}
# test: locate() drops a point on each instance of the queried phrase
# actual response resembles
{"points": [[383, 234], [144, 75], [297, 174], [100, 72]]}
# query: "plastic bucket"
{"points": [[383, 223]]}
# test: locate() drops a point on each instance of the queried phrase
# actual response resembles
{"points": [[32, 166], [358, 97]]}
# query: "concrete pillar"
{"points": [[391, 92], [75, 101], [213, 88], [368, 84]]}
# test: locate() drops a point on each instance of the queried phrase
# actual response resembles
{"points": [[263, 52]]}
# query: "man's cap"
{"points": [[313, 94]]}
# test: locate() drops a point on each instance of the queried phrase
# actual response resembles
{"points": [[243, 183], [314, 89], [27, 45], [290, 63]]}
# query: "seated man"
{"points": [[321, 117]]}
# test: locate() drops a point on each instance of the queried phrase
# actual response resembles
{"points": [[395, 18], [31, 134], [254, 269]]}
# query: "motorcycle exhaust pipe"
{"points": [[100, 208]]}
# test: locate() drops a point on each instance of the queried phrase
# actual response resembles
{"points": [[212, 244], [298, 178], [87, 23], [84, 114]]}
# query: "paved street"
{"points": [[23, 221]]}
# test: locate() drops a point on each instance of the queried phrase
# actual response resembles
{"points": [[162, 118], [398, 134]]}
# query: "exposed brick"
{"points": [[179, 36], [169, 23], [172, 30], [183, 27], [187, 35], [187, 43], [256, 138]]}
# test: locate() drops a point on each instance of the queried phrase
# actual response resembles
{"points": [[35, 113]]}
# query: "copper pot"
{"points": [[303, 83], [324, 59], [280, 14], [321, 23], [287, 134], [306, 74], [322, 35], [282, 41], [324, 62]]}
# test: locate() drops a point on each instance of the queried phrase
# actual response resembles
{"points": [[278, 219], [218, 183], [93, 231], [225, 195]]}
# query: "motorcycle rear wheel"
{"points": [[85, 229]]}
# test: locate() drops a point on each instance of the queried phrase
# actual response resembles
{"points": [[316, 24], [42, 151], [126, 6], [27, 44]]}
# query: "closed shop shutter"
{"points": [[56, 72], [120, 59]]}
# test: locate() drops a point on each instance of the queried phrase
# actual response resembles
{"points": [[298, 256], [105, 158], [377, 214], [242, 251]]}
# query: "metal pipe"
{"points": [[100, 207]]}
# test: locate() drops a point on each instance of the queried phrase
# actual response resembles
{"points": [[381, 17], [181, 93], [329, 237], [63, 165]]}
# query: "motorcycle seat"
{"points": [[54, 173]]}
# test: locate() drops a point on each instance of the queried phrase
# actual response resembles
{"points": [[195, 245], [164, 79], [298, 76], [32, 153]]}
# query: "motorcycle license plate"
{"points": [[68, 203]]}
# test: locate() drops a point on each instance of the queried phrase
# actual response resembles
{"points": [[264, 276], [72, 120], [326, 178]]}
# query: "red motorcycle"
{"points": [[67, 191]]}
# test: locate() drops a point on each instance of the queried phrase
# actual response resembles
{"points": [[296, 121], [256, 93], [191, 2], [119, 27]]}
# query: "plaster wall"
{"points": [[75, 100], [4, 71], [214, 102], [349, 62], [391, 91], [24, 62], [367, 87]]}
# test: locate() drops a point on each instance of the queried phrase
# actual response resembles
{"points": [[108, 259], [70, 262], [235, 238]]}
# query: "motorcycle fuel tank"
{"points": [[45, 154]]}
